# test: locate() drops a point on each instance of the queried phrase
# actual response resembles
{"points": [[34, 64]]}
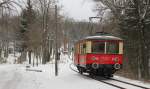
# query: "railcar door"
{"points": [[76, 54], [82, 56]]}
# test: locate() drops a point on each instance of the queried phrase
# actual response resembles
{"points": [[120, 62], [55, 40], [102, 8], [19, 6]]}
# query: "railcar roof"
{"points": [[102, 38]]}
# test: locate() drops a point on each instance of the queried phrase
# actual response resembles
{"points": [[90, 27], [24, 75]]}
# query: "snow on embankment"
{"points": [[12, 58], [19, 78], [66, 79]]}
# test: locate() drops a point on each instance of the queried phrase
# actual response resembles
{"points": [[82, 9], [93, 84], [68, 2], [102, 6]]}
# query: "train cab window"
{"points": [[80, 48], [98, 47], [112, 48], [83, 48]]}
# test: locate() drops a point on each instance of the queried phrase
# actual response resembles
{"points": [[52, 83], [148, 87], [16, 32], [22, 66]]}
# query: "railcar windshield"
{"points": [[105, 47], [112, 48], [98, 47]]}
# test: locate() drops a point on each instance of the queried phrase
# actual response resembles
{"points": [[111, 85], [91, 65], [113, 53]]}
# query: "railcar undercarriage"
{"points": [[99, 70]]}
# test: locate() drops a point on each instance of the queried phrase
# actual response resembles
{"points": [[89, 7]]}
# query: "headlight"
{"points": [[116, 60], [94, 58]]}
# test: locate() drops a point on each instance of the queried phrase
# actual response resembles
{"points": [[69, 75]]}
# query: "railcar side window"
{"points": [[83, 48], [112, 48], [98, 47]]}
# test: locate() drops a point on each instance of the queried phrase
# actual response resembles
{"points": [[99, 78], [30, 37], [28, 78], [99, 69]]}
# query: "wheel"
{"points": [[91, 74], [80, 70], [108, 76]]}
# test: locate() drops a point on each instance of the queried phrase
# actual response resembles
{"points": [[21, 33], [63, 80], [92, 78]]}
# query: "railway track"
{"points": [[98, 80], [120, 82], [106, 81], [129, 83], [114, 85]]}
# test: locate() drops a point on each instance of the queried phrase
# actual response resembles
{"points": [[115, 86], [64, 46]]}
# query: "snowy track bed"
{"points": [[116, 82], [17, 77], [132, 85], [120, 84]]}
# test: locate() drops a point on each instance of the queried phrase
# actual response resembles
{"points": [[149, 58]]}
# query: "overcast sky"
{"points": [[78, 9]]}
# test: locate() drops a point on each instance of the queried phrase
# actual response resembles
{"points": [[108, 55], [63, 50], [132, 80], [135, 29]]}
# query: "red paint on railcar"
{"points": [[99, 59]]}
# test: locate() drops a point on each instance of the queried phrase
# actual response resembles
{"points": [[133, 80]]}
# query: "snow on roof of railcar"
{"points": [[102, 37]]}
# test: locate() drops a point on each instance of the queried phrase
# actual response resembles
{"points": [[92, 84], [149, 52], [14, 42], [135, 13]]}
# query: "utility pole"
{"points": [[56, 32], [29, 19]]}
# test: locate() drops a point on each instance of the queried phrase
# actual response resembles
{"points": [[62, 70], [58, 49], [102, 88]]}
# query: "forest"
{"points": [[37, 27]]}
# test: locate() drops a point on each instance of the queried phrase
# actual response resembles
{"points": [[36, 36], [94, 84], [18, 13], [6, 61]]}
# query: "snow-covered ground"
{"points": [[17, 77], [12, 58]]}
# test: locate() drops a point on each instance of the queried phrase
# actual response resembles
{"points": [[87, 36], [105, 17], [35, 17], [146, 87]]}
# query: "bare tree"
{"points": [[6, 6]]}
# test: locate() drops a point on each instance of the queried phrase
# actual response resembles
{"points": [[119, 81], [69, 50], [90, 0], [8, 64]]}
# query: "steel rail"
{"points": [[129, 83]]}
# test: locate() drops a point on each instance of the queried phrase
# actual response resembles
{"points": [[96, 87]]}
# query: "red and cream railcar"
{"points": [[100, 55]]}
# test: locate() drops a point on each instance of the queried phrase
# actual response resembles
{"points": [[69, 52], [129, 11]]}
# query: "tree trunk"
{"points": [[29, 55]]}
